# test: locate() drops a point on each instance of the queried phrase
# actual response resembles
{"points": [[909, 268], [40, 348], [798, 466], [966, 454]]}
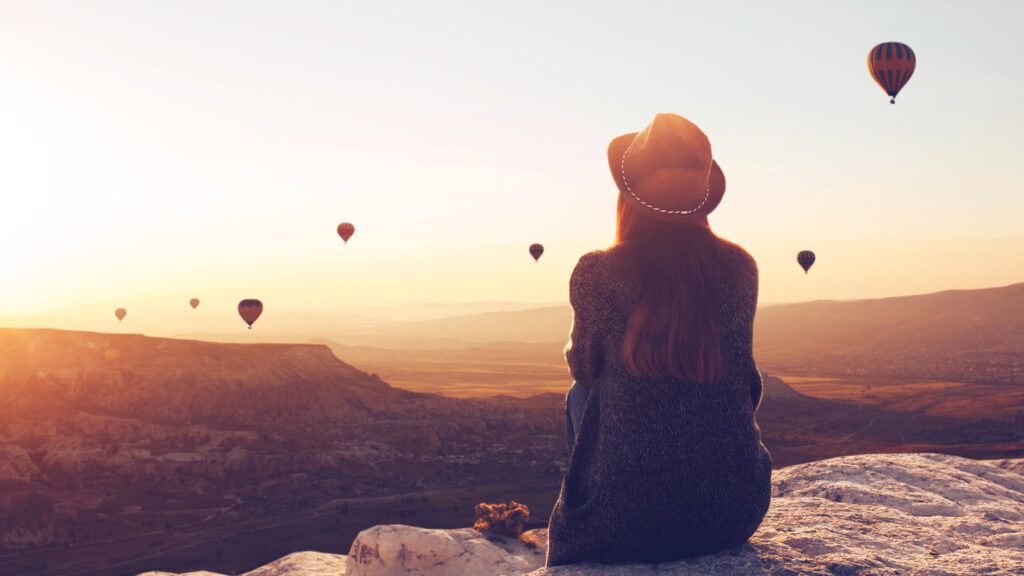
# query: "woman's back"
{"points": [[662, 468]]}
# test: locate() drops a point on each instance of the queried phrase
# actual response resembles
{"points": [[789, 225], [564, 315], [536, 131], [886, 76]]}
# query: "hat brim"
{"points": [[716, 185]]}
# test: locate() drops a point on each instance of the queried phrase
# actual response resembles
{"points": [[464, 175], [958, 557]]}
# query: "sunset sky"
{"points": [[155, 151]]}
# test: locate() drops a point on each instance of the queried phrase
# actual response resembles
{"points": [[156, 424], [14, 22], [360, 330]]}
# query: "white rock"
{"points": [[878, 515], [304, 564], [397, 549], [294, 564]]}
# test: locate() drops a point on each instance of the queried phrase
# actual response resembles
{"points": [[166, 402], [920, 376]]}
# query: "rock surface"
{"points": [[303, 564], [906, 514], [295, 564], [899, 514], [396, 549]]}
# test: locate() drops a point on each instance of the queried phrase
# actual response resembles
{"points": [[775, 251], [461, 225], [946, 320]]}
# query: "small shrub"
{"points": [[501, 518]]}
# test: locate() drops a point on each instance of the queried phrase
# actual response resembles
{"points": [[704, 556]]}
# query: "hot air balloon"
{"points": [[806, 259], [891, 64], [536, 250], [112, 355], [120, 313], [346, 230], [250, 310], [194, 303]]}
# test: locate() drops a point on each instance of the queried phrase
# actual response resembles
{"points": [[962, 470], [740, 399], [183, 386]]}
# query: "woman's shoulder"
{"points": [[594, 261], [592, 271], [604, 265], [738, 258]]}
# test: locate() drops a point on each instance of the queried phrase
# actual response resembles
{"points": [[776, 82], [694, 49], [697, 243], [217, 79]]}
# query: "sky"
{"points": [[155, 151]]}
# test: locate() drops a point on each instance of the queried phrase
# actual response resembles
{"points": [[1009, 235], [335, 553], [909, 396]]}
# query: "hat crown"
{"points": [[671, 142], [667, 170], [667, 166]]}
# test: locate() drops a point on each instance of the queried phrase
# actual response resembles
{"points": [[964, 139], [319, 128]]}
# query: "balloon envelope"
{"points": [[536, 250], [250, 309], [891, 65], [120, 313], [112, 355], [806, 259], [346, 230], [194, 303]]}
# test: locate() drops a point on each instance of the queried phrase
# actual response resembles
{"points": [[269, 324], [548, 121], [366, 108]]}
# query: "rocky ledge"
{"points": [[906, 514]]}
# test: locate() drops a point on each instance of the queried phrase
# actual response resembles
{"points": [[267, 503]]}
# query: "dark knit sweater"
{"points": [[662, 469]]}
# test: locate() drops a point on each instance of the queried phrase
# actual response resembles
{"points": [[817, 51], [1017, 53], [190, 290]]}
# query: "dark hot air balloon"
{"points": [[194, 303], [891, 64], [536, 250], [806, 259], [250, 310], [346, 230], [120, 313]]}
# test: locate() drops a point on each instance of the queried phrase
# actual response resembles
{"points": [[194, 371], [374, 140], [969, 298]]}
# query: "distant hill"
{"points": [[970, 335], [190, 381], [128, 447], [167, 380], [543, 324], [967, 335], [179, 451]]}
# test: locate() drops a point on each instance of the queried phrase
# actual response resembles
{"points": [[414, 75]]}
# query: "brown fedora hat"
{"points": [[667, 171]]}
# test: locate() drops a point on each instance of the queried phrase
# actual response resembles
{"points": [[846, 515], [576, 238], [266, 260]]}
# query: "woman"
{"points": [[667, 460]]}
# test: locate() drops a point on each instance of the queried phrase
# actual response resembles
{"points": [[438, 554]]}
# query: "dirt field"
{"points": [[948, 399]]}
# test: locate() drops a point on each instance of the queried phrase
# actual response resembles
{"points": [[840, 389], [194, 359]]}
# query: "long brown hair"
{"points": [[674, 330]]}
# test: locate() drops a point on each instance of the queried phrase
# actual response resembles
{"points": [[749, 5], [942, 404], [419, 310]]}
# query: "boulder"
{"points": [[905, 514], [397, 549]]}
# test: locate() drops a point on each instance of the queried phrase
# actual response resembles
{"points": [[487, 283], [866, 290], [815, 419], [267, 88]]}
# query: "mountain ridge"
{"points": [[968, 335]]}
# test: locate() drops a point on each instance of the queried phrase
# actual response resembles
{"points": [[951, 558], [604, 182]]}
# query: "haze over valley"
{"points": [[224, 456]]}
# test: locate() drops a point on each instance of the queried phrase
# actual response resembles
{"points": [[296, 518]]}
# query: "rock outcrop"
{"points": [[902, 514], [387, 550]]}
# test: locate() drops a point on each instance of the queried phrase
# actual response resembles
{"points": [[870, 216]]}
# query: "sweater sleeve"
{"points": [[756, 388], [756, 384], [583, 353]]}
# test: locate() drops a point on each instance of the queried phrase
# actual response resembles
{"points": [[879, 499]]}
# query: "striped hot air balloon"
{"points": [[891, 65], [805, 259], [536, 250], [250, 309]]}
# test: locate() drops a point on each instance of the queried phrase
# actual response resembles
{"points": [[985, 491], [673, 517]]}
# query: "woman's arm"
{"points": [[583, 353], [750, 281], [756, 388]]}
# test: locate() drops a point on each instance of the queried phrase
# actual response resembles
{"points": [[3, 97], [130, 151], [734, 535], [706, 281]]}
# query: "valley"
{"points": [[180, 454]]}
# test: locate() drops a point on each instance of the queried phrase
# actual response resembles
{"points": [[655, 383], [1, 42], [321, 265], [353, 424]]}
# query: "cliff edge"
{"points": [[906, 514]]}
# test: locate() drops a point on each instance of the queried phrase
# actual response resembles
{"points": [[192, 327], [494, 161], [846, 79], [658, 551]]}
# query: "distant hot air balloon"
{"points": [[806, 259], [250, 310], [112, 355], [120, 313], [891, 64], [536, 250], [194, 303], [346, 230]]}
